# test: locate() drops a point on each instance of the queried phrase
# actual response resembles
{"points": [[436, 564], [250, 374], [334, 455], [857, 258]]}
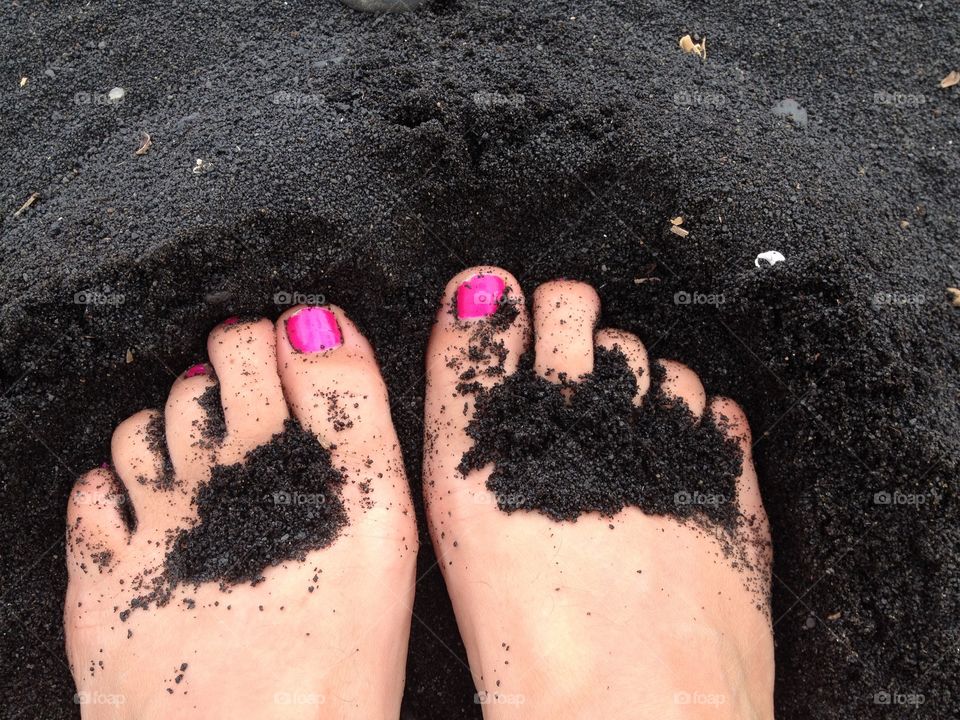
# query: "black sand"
{"points": [[283, 502], [598, 452], [369, 159]]}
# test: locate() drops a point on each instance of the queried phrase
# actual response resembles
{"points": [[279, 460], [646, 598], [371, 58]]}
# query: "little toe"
{"points": [[732, 421], [97, 528], [681, 383], [634, 352], [244, 357], [565, 314]]}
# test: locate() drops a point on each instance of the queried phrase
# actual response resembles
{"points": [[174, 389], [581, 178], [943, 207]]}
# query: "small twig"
{"points": [[26, 206]]}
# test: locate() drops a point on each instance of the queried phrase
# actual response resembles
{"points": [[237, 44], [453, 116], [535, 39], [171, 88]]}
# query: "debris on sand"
{"points": [[952, 78], [129, 357], [146, 142], [26, 206], [790, 108], [771, 257], [690, 47], [24, 80], [954, 294], [675, 228]]}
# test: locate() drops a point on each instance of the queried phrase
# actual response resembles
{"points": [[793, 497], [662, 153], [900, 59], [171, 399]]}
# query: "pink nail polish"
{"points": [[198, 369], [480, 296], [314, 329], [232, 320]]}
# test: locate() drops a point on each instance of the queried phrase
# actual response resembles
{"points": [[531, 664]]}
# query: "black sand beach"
{"points": [[306, 149]]}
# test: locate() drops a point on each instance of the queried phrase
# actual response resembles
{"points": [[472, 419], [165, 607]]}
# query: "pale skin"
{"points": [[560, 620]]}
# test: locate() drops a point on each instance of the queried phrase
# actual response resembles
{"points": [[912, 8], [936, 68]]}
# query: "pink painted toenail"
{"points": [[480, 296], [314, 329], [198, 369], [232, 320]]}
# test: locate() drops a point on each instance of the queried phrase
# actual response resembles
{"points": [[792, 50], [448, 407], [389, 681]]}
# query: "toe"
{"points": [[243, 355], [634, 352], [565, 313], [732, 421], [96, 525], [139, 453], [681, 383], [481, 330], [194, 423], [333, 385]]}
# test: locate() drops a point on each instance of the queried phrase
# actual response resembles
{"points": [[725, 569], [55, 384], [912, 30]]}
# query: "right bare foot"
{"points": [[634, 616], [324, 634]]}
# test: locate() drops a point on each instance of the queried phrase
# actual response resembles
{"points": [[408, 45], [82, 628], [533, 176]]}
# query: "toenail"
{"points": [[198, 369], [232, 320], [480, 296], [314, 329]]}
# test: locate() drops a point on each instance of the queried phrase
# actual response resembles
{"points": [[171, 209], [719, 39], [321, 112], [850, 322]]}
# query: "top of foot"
{"points": [[260, 562], [571, 599]]}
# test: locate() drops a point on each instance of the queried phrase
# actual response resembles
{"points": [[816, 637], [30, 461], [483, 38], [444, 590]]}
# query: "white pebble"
{"points": [[772, 257], [116, 94]]}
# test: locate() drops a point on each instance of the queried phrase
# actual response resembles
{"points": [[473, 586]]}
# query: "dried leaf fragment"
{"points": [[954, 294], [677, 230], [952, 78], [689, 46], [129, 356], [145, 144], [678, 220]]}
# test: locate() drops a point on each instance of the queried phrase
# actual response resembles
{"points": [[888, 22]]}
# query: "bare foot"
{"points": [[630, 616], [324, 632]]}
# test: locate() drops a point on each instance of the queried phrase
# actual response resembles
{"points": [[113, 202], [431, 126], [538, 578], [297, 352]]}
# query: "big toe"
{"points": [[480, 333], [332, 383]]}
